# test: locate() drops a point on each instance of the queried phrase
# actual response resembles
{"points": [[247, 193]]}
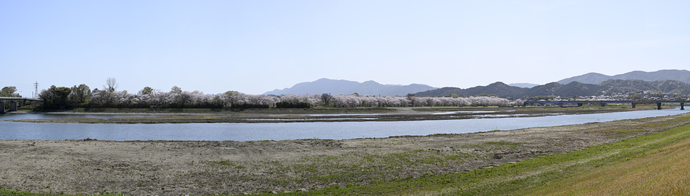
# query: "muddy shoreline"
{"points": [[230, 167]]}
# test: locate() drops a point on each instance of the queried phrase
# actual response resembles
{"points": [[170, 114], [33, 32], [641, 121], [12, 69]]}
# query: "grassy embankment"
{"points": [[660, 171], [651, 164], [646, 165]]}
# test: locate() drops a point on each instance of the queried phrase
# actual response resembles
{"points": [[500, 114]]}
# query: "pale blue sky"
{"points": [[257, 46]]}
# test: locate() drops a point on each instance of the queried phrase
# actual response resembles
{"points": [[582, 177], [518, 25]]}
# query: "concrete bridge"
{"points": [[603, 103], [579, 103], [13, 102], [682, 104]]}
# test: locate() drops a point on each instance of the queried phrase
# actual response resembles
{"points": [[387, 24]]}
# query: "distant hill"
{"points": [[568, 90], [625, 86], [665, 81], [523, 85], [497, 89], [596, 78], [502, 90], [334, 87]]}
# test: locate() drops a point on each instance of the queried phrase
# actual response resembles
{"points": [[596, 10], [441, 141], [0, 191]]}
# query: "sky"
{"points": [[257, 46]]}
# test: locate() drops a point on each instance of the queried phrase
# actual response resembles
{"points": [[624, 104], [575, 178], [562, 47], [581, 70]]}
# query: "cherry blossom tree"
{"points": [[177, 97]]}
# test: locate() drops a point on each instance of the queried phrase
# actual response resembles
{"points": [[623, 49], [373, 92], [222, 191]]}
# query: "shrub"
{"points": [[285, 104]]}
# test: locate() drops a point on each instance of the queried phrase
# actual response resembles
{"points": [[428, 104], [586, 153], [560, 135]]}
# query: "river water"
{"points": [[285, 131]]}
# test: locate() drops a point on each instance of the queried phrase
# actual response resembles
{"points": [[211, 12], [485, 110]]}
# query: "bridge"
{"points": [[579, 103], [682, 104], [603, 103], [13, 102]]}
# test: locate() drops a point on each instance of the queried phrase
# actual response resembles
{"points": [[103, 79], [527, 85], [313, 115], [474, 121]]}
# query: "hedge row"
{"points": [[285, 104]]}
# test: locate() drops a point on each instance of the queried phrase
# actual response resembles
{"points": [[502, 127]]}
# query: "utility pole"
{"points": [[36, 92]]}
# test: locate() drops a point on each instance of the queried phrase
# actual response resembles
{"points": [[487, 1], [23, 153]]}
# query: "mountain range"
{"points": [[596, 78], [523, 85], [334, 87], [665, 81], [574, 88]]}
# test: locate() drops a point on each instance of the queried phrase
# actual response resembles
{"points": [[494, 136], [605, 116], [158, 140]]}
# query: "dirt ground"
{"points": [[229, 167]]}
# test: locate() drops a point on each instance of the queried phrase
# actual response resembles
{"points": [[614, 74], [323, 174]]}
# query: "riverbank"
{"points": [[320, 110], [272, 110], [311, 166], [390, 114]]}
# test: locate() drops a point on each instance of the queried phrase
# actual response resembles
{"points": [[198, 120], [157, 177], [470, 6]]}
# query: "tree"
{"points": [[678, 96], [55, 97], [46, 96], [217, 101], [9, 91], [80, 94], [176, 90], [180, 97], [62, 96], [635, 97], [108, 89], [410, 97], [146, 91], [326, 98], [110, 84], [229, 96]]}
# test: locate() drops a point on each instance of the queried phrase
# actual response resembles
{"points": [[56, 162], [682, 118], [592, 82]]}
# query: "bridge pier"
{"points": [[658, 106], [633, 104], [682, 104], [13, 106]]}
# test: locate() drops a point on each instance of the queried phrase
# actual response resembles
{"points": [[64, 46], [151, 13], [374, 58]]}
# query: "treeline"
{"points": [[83, 96]]}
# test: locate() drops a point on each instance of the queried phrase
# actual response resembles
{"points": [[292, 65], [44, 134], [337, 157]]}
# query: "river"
{"points": [[286, 131]]}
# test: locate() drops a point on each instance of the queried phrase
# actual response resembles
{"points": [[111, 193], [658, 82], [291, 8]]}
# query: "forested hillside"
{"points": [[608, 87]]}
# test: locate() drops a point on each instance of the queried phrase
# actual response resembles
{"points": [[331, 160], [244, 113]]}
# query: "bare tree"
{"points": [[110, 84], [109, 88]]}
